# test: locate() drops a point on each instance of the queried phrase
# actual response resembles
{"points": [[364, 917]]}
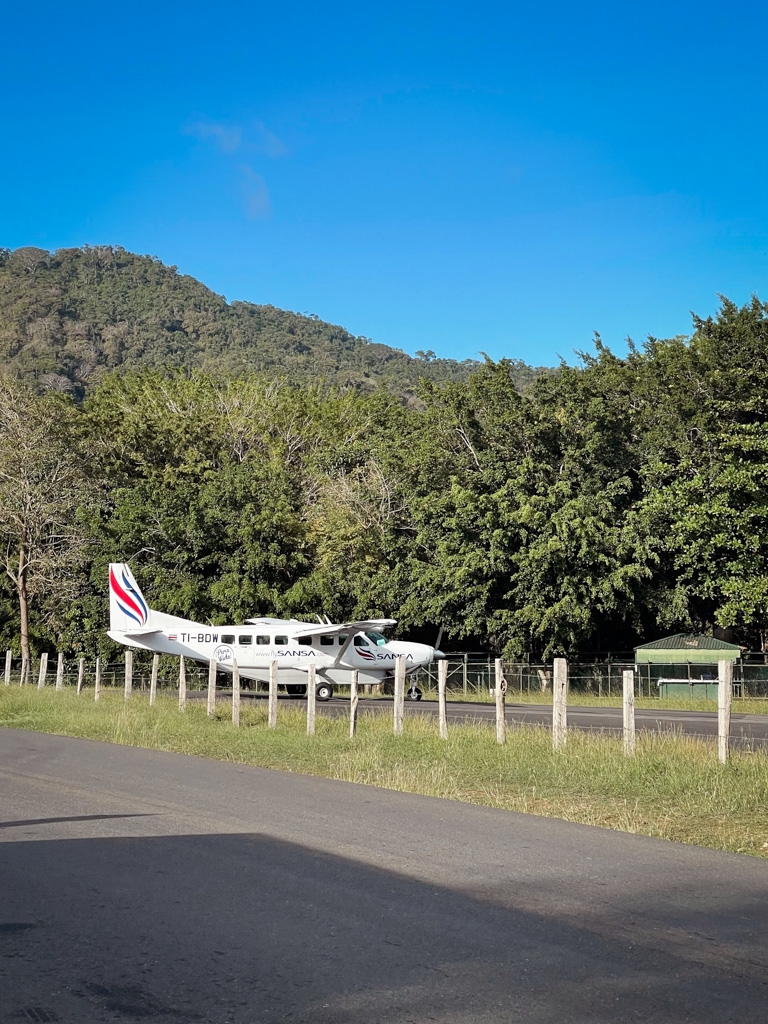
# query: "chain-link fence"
{"points": [[470, 676], [473, 676], [112, 672]]}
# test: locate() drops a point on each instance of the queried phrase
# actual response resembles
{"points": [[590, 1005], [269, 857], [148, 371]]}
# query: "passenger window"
{"points": [[244, 640], [360, 641], [305, 641], [326, 641], [342, 639], [262, 641], [227, 638], [281, 641]]}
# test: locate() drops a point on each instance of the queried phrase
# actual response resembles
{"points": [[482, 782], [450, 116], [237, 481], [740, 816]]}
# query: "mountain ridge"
{"points": [[69, 316]]}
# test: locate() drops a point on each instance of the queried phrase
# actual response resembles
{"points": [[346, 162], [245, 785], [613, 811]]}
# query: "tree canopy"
{"points": [[588, 511]]}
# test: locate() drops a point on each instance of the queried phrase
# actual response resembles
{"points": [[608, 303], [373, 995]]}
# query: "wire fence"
{"points": [[470, 676], [112, 672]]}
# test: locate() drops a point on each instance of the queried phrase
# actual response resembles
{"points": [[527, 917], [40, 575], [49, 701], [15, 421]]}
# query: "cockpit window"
{"points": [[377, 638], [360, 641]]}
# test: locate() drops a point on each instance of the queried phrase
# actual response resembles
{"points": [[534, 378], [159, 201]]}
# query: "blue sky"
{"points": [[455, 177]]}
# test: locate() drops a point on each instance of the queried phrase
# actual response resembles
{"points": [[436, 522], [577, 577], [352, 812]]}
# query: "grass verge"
{"points": [[741, 705], [673, 789]]}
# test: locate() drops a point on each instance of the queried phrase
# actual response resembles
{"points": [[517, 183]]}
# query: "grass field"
{"points": [[673, 789], [741, 706]]}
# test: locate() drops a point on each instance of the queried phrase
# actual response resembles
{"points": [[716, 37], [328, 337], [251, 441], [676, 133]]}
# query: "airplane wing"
{"points": [[334, 628]]}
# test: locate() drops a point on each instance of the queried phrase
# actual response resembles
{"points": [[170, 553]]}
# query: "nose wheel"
{"points": [[414, 693]]}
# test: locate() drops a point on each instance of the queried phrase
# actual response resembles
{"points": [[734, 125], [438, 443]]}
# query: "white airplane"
{"points": [[335, 649]]}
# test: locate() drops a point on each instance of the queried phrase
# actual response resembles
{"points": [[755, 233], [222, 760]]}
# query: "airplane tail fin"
{"points": [[128, 611]]}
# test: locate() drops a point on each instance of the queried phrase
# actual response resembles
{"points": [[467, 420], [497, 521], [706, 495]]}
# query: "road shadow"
{"points": [[71, 817], [243, 928]]}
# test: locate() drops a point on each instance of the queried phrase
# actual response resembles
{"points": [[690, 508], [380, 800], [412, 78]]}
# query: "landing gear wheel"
{"points": [[296, 690], [323, 691], [414, 693]]}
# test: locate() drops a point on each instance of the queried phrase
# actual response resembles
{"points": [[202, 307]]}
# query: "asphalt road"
{"points": [[746, 730], [137, 885]]}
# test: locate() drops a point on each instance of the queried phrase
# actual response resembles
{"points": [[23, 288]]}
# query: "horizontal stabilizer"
{"points": [[135, 632]]}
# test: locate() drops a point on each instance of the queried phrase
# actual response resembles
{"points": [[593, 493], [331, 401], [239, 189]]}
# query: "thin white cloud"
{"points": [[269, 143], [230, 139], [225, 137], [255, 194]]}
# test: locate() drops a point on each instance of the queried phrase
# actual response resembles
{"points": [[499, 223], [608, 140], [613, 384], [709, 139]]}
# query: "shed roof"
{"points": [[689, 642], [684, 647]]}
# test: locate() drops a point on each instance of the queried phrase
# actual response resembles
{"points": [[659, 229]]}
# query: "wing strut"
{"points": [[343, 649]]}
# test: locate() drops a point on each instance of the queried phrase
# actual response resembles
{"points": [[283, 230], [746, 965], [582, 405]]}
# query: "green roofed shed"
{"points": [[686, 648]]}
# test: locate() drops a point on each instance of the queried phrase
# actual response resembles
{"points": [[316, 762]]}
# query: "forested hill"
{"points": [[67, 317]]}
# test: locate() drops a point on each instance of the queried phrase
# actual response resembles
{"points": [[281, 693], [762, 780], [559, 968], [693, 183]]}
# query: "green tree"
{"points": [[43, 485]]}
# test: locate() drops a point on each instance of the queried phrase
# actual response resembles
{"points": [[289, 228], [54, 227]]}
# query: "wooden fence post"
{"points": [[97, 683], [353, 702], [272, 702], [128, 674], [559, 703], [43, 671], [182, 684], [399, 705], [500, 690], [24, 674], [8, 663], [153, 679], [60, 672], [80, 674], [724, 698], [628, 681], [235, 693], [311, 700], [442, 680], [211, 688]]}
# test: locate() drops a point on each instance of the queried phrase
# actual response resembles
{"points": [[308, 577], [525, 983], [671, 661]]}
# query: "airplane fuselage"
{"points": [[256, 645]]}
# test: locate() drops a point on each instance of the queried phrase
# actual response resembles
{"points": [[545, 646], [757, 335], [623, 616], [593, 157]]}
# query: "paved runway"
{"points": [[137, 885], [746, 730]]}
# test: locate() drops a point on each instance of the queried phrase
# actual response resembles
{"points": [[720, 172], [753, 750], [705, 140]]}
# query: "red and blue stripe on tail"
{"points": [[128, 609]]}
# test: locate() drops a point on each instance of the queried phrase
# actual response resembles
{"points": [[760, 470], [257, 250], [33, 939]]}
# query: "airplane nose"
{"points": [[438, 655]]}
